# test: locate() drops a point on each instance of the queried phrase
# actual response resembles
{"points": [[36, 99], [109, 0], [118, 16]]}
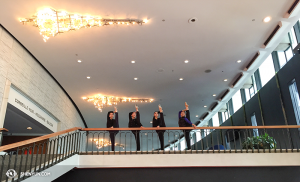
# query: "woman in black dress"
{"points": [[185, 121], [159, 122], [134, 122], [112, 123]]}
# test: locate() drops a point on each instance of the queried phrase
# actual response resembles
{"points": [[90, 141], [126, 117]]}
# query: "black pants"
{"points": [[137, 139], [112, 139], [187, 138], [161, 139]]}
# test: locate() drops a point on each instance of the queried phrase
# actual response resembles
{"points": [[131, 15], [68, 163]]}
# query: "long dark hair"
{"points": [[153, 116], [108, 114]]}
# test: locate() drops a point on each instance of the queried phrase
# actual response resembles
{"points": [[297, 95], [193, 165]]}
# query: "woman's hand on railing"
{"points": [[194, 126]]}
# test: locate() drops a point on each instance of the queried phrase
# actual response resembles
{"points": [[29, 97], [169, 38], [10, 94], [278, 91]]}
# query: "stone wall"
{"points": [[25, 72]]}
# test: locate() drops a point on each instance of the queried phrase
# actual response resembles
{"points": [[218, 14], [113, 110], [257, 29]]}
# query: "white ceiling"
{"points": [[223, 34]]}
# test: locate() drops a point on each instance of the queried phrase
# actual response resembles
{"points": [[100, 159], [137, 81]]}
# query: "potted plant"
{"points": [[259, 142]]}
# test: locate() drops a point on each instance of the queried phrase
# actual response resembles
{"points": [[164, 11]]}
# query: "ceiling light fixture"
{"points": [[214, 95], [225, 80], [132, 61], [29, 128], [186, 61], [79, 61], [52, 22], [204, 106], [239, 61], [197, 116], [88, 77], [100, 143], [135, 78], [180, 79], [101, 101], [267, 19]]}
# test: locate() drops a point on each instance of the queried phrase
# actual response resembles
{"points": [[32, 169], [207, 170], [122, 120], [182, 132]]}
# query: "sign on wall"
{"points": [[24, 104]]}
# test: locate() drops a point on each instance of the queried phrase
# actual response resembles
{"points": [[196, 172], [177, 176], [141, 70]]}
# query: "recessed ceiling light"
{"points": [[88, 77], [150, 121], [267, 19], [197, 116], [180, 79], [79, 61], [225, 80], [239, 61], [135, 78], [132, 61], [186, 61], [204, 106], [214, 95], [29, 128]]}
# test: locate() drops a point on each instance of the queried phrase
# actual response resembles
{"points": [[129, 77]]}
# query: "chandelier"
{"points": [[100, 143], [101, 101], [52, 22]]}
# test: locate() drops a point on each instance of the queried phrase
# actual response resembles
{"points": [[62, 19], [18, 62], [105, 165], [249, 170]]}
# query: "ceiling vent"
{"points": [[238, 78], [272, 35], [292, 8], [252, 61], [222, 97], [204, 116], [213, 107], [193, 20]]}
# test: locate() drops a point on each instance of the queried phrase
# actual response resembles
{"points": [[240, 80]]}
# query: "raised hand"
{"points": [[186, 106], [160, 108], [136, 108], [116, 110]]}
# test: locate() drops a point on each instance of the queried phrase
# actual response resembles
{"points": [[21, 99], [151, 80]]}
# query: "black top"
{"points": [[112, 122], [182, 122], [159, 122], [134, 123]]}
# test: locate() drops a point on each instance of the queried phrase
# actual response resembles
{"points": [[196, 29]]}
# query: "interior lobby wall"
{"points": [[19, 67]]}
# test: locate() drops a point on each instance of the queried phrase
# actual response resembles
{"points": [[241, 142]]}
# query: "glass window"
{"points": [[266, 70], [254, 123], [282, 58], [225, 116], [293, 38], [296, 100], [289, 53], [247, 93], [215, 119], [198, 135], [237, 101]]}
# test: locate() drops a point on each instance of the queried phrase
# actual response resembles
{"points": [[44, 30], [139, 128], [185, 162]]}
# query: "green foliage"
{"points": [[259, 142]]}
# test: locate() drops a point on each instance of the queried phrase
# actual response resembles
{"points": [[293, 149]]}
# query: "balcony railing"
{"points": [[35, 155]]}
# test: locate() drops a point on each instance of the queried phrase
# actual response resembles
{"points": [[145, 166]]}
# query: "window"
{"points": [[266, 70], [247, 93], [182, 144], [289, 53], [215, 120], [225, 115], [254, 123], [285, 56], [295, 99], [282, 59], [293, 39], [237, 101]]}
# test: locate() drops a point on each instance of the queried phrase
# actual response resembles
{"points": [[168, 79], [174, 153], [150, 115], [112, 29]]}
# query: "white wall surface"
{"points": [[186, 160], [170, 160], [23, 71]]}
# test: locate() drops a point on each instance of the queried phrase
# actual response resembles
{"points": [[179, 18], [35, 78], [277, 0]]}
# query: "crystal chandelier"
{"points": [[100, 143], [52, 22], [101, 101]]}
